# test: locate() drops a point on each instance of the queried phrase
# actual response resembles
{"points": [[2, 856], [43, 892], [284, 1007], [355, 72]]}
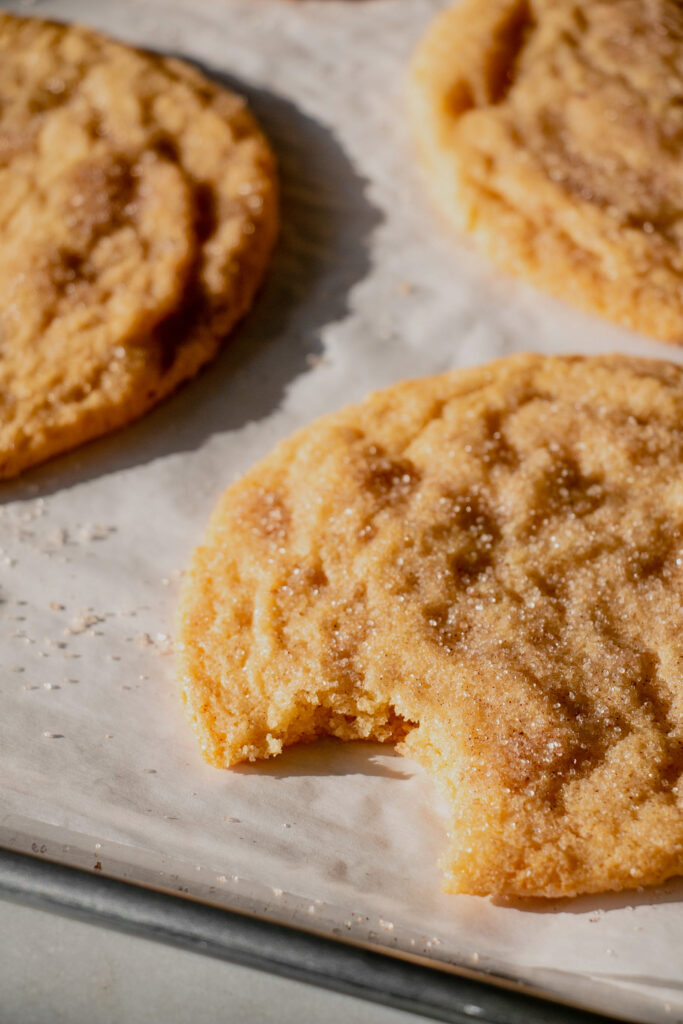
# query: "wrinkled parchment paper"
{"points": [[98, 766]]}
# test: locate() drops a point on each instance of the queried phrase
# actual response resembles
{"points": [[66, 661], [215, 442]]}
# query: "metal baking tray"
{"points": [[293, 953]]}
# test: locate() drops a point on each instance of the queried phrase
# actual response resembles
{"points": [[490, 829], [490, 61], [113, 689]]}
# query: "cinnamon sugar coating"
{"points": [[137, 214], [552, 130], [487, 568]]}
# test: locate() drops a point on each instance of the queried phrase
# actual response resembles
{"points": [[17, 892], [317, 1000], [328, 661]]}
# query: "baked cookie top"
{"points": [[137, 214], [553, 131], [486, 566]]}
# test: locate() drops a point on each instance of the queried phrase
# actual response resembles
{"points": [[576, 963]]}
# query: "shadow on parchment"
{"points": [[669, 892], [326, 757], [326, 222]]}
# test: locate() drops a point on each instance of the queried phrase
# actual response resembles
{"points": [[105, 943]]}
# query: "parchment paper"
{"points": [[97, 764]]}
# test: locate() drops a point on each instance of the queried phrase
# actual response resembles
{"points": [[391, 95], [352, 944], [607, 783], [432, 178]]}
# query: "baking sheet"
{"points": [[98, 766]]}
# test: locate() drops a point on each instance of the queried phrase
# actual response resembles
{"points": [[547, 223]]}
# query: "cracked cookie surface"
{"points": [[137, 215], [487, 568], [552, 130]]}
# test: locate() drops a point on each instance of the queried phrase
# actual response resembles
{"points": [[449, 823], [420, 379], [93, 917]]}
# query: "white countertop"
{"points": [[54, 969]]}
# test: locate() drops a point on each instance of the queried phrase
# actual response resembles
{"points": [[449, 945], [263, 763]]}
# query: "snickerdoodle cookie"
{"points": [[487, 567], [137, 214], [552, 130]]}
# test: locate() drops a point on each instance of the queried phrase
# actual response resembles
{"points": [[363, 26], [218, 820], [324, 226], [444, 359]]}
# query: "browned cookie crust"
{"points": [[552, 130], [137, 215]]}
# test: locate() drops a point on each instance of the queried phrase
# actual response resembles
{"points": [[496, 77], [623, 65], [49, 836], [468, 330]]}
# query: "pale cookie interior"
{"points": [[137, 214], [553, 131], [486, 566]]}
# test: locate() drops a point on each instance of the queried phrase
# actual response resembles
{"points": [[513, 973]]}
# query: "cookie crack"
{"points": [[508, 42]]}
